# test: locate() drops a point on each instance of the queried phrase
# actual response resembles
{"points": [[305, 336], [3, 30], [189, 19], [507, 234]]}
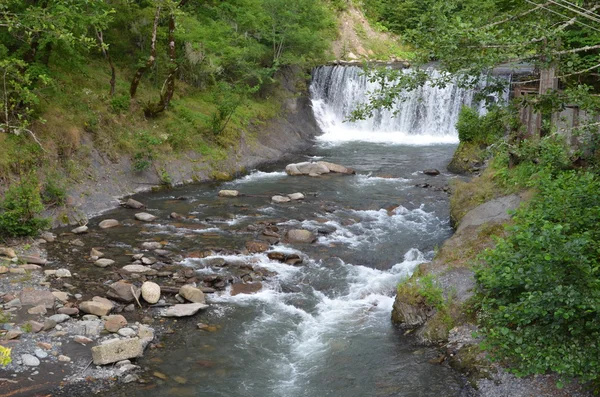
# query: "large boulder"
{"points": [[306, 168], [192, 294], [151, 292], [116, 350], [301, 236], [339, 169]]}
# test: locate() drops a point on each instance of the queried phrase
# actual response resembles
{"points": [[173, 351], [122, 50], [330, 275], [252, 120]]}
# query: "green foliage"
{"points": [[540, 286], [20, 209], [5, 356], [482, 129], [120, 103], [424, 288], [54, 191]]}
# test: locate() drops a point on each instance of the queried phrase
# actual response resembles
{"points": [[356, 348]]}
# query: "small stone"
{"points": [[62, 273], [8, 252], [134, 204], [431, 171], [35, 326], [49, 237], [14, 270], [82, 339], [35, 260], [138, 269], [150, 292], [257, 246], [116, 350], [148, 260], [59, 318], [148, 245], [80, 230], [40, 309], [280, 199], [129, 378], [180, 379], [64, 359], [123, 291], [3, 269], [61, 296], [48, 324], [160, 375], [229, 193], [301, 236], [122, 363], [30, 267], [183, 310], [33, 297], [89, 317], [95, 253], [97, 308], [115, 322], [192, 294], [245, 288], [71, 311], [39, 353], [77, 242], [30, 360], [13, 334], [127, 332], [144, 217], [296, 196], [104, 262], [44, 345], [108, 223]]}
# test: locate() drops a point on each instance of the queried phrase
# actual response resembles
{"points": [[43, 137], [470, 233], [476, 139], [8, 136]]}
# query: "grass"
{"points": [[79, 116]]}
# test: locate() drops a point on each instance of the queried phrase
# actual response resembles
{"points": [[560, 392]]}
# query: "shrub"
{"points": [[485, 129], [540, 286], [54, 192], [4, 356], [20, 209]]}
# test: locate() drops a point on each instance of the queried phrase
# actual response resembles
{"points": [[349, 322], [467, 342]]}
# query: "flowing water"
{"points": [[322, 328]]}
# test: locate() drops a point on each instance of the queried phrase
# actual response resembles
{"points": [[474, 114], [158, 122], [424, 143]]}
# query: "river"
{"points": [[322, 328]]}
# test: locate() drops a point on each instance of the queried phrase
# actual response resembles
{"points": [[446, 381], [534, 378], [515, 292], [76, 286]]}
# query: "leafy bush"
{"points": [[54, 192], [484, 129], [4, 356], [20, 209], [120, 103], [540, 286]]}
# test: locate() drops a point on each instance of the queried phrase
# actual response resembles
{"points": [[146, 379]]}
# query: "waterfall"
{"points": [[427, 116]]}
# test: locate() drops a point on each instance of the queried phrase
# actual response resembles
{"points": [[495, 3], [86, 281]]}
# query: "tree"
{"points": [[469, 37]]}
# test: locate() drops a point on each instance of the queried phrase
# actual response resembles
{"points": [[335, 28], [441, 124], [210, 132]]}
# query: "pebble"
{"points": [[127, 332], [30, 360], [80, 230], [82, 339], [59, 318], [40, 309], [64, 359], [63, 273], [40, 353]]}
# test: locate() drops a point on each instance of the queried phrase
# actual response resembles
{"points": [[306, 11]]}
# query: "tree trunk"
{"points": [[140, 72], [113, 73]]}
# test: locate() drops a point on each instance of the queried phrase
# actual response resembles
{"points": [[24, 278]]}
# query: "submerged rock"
{"points": [[301, 236], [108, 223], [229, 193], [80, 230], [104, 262], [245, 288], [134, 204], [144, 217], [280, 199], [431, 171], [256, 246], [296, 196], [306, 168], [340, 169]]}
